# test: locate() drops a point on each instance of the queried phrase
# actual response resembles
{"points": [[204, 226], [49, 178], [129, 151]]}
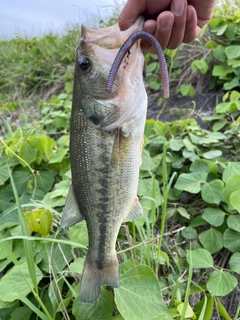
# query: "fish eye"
{"points": [[84, 63]]}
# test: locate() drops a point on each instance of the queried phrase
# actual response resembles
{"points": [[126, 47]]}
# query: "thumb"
{"points": [[130, 13]]}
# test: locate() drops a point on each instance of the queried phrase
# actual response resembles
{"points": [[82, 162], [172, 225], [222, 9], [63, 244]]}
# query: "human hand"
{"points": [[170, 21]]}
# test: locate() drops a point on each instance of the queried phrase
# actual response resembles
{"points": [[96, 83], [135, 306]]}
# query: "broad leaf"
{"points": [[212, 192], [191, 182], [212, 154], [21, 313], [45, 180], [14, 283], [232, 185], [23, 181], [233, 222], [234, 262], [139, 295], [214, 216], [101, 309], [235, 200], [4, 173], [231, 169], [232, 240], [221, 283], [189, 233], [199, 258], [212, 240]]}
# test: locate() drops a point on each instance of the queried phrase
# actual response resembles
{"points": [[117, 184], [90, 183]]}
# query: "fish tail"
{"points": [[95, 276]]}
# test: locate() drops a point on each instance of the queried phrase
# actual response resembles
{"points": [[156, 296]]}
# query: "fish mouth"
{"points": [[110, 37], [106, 42]]}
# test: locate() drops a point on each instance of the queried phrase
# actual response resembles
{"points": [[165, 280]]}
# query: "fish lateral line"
{"points": [[125, 49]]}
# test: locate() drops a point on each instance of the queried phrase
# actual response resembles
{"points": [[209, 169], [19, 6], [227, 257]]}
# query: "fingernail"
{"points": [[178, 7], [165, 23]]}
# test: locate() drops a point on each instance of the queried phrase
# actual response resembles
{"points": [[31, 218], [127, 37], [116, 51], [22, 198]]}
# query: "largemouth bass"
{"points": [[106, 138]]}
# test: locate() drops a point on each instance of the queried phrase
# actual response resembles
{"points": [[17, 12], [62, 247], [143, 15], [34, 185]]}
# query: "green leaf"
{"points": [[203, 309], [188, 312], [14, 282], [79, 233], [39, 220], [191, 182], [223, 107], [77, 265], [199, 258], [232, 52], [214, 216], [212, 192], [27, 153], [199, 65], [233, 222], [189, 233], [187, 90], [45, 180], [176, 144], [59, 255], [199, 166], [231, 84], [222, 311], [183, 212], [100, 310], [152, 67], [232, 185], [231, 169], [212, 240], [235, 200], [21, 313], [23, 181], [219, 53], [234, 262], [212, 154], [139, 296], [4, 174], [221, 283], [221, 71], [232, 240], [58, 156]]}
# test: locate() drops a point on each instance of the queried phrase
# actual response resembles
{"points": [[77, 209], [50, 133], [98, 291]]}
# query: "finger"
{"points": [[204, 10], [164, 28], [149, 26], [191, 29], [130, 12], [179, 9]]}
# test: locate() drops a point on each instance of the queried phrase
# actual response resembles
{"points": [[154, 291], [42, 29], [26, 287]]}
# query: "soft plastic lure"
{"points": [[125, 49]]}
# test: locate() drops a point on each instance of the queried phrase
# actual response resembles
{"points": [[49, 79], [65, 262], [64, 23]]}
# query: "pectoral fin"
{"points": [[135, 212], [71, 214]]}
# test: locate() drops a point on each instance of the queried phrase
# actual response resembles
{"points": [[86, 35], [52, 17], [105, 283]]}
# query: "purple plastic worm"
{"points": [[125, 48]]}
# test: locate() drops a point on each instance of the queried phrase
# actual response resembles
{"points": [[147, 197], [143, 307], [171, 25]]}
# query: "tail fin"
{"points": [[93, 278]]}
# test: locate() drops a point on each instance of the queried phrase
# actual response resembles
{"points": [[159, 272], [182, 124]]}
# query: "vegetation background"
{"points": [[181, 259]]}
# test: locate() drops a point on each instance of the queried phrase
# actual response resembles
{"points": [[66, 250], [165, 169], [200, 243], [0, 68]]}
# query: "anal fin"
{"points": [[71, 214], [135, 212]]}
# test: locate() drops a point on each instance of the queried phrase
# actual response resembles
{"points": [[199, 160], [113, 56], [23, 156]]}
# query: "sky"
{"points": [[35, 18]]}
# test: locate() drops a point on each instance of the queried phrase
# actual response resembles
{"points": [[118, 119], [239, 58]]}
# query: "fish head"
{"points": [[94, 57]]}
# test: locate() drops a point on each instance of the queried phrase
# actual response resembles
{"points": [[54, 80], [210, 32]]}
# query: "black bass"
{"points": [[106, 140]]}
